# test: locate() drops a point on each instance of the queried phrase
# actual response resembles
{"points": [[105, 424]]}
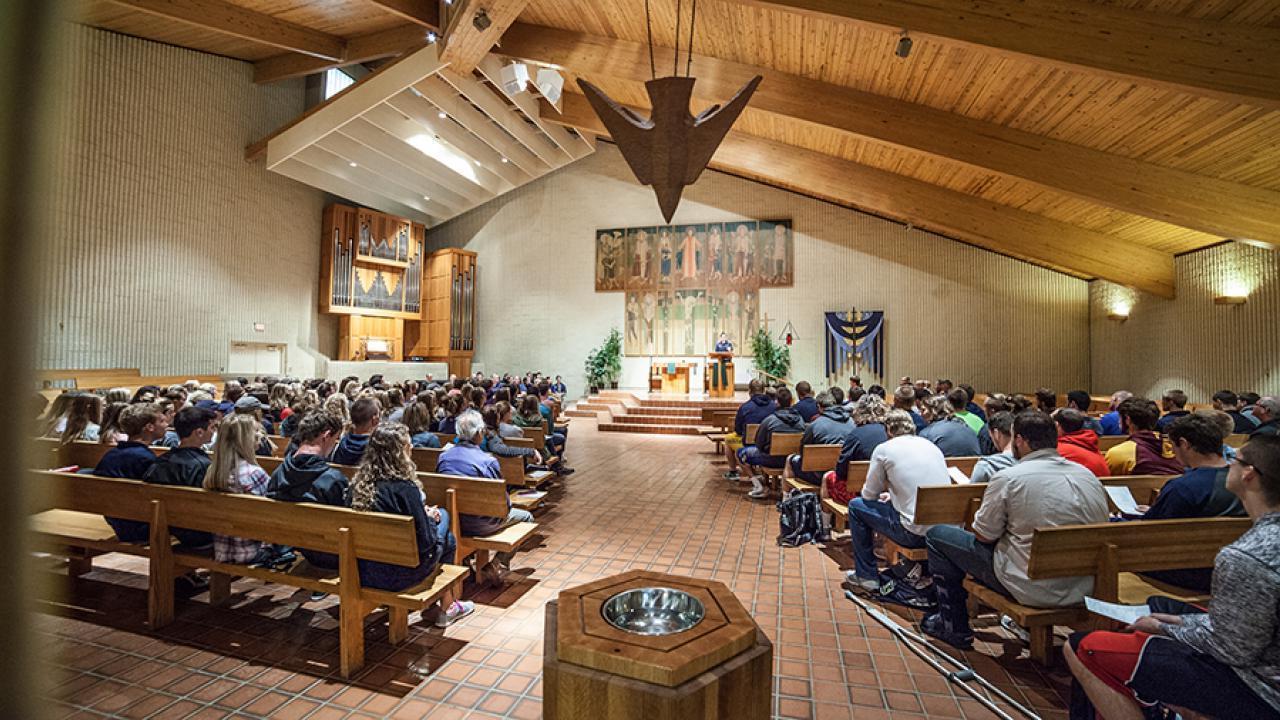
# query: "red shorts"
{"points": [[1112, 657], [837, 489]]}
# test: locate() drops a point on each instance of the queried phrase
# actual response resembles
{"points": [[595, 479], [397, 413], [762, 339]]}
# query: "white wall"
{"points": [[1189, 342], [951, 309], [161, 245]]}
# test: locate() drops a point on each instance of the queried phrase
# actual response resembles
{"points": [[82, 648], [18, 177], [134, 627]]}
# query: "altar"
{"points": [[671, 377]]}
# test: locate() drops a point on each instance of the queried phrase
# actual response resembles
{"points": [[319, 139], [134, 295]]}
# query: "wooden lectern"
{"points": [[720, 374]]}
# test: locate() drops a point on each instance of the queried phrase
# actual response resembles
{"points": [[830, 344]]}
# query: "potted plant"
{"points": [[594, 372], [610, 357], [770, 357]]}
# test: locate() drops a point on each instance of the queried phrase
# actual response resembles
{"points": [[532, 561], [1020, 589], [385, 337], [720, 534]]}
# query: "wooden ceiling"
{"points": [[1141, 128]]}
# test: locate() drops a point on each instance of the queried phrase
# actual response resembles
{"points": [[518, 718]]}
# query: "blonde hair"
{"points": [[339, 406], [237, 440], [869, 409], [899, 422], [386, 459]]}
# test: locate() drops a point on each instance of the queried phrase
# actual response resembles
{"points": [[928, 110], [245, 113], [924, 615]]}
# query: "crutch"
{"points": [[961, 676]]}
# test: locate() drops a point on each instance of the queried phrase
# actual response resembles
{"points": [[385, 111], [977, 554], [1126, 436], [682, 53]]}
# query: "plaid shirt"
{"points": [[253, 480]]}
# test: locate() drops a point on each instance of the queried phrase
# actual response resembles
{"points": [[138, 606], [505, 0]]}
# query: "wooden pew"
{"points": [[1144, 488], [857, 477], [785, 444], [1111, 553], [532, 478], [1106, 442], [426, 458], [78, 502], [721, 422], [1237, 440], [476, 496]]}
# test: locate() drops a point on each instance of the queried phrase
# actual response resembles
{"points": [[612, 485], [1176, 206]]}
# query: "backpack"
{"points": [[800, 519]]}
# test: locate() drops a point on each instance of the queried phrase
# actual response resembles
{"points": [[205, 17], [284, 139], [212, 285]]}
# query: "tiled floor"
{"points": [[637, 501]]}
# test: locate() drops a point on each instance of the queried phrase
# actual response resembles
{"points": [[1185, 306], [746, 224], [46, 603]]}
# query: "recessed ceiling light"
{"points": [[477, 162], [504, 161], [431, 37], [442, 115], [352, 164], [426, 197]]}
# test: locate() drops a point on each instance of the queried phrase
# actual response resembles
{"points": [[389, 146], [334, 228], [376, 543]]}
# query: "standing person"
{"points": [[1223, 663], [1043, 490], [235, 470], [899, 466], [723, 345], [387, 482]]}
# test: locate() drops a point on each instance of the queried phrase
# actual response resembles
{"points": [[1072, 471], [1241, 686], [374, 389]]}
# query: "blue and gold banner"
{"points": [[855, 338]]}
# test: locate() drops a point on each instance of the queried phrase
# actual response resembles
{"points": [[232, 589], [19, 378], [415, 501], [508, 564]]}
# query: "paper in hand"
{"points": [[957, 476], [1127, 614], [1123, 499]]}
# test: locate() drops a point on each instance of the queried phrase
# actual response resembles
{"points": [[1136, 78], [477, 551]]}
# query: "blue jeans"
{"points": [[954, 553], [479, 526], [872, 516], [384, 576], [751, 455]]}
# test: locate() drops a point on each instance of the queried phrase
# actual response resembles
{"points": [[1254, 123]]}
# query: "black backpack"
{"points": [[800, 519]]}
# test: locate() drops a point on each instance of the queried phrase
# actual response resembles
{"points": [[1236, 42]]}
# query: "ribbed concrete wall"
{"points": [[1189, 342], [161, 243], [951, 309]]}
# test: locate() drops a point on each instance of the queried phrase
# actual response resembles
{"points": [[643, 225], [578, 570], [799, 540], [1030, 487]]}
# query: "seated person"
{"points": [[1001, 428], [806, 406], [1082, 401], [1201, 491], [1077, 443], [831, 427], [366, 414], [1143, 453], [252, 406], [972, 406], [1110, 422], [493, 439], [387, 482], [752, 412], [904, 399], [1174, 405], [1043, 490], [868, 432], [1229, 403], [757, 455], [417, 417], [83, 419], [558, 387], [887, 502], [234, 469], [464, 457], [530, 416], [186, 464], [142, 424], [306, 476], [1224, 663], [952, 435], [960, 401], [1267, 412]]}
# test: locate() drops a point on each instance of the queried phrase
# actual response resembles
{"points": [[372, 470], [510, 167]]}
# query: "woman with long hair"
{"points": [[387, 482], [235, 470], [417, 417], [55, 418], [110, 432], [339, 406], [83, 419]]}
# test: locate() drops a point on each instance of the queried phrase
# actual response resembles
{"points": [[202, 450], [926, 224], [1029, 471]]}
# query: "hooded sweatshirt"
{"points": [[350, 449], [753, 411], [830, 428], [1081, 447], [785, 420], [1149, 457], [308, 478]]}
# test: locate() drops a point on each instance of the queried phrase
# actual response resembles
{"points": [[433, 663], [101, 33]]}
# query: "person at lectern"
{"points": [[723, 344]]}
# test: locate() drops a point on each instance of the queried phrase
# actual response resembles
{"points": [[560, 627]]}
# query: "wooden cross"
{"points": [[765, 320]]}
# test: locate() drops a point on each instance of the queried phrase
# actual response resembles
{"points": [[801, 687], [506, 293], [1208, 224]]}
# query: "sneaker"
{"points": [[758, 490], [318, 596], [565, 470], [732, 475], [1015, 629], [870, 586], [934, 627], [458, 610]]}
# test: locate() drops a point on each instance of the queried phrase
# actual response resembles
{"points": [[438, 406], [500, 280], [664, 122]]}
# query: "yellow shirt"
{"points": [[1121, 458]]}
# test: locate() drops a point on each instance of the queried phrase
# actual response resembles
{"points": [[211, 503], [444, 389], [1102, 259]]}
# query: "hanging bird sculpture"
{"points": [[670, 149]]}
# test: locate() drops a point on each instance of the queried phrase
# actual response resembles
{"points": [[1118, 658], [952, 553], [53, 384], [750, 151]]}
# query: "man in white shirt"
{"points": [[1043, 490], [887, 503]]}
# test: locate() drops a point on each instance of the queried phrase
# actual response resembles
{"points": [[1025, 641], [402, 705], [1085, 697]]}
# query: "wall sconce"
{"points": [[1118, 317], [1229, 300]]}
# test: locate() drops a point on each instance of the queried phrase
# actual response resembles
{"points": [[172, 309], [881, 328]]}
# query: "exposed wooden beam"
{"points": [[465, 44], [1194, 201], [1206, 57], [1001, 229], [425, 13], [360, 49], [229, 19], [351, 103]]}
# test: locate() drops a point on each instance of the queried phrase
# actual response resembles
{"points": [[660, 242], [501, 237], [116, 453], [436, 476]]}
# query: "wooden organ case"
{"points": [[371, 275], [447, 330]]}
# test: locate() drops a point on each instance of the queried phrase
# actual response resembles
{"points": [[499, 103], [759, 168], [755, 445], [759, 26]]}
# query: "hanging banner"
{"points": [[854, 338]]}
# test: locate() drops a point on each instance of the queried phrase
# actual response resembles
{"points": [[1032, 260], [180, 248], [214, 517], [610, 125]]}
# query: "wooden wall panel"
{"points": [[1191, 343], [160, 245]]}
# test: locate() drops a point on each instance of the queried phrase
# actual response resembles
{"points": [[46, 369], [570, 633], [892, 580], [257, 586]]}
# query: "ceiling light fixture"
{"points": [[1229, 300], [504, 161], [352, 164], [904, 45], [432, 37], [481, 20], [1118, 316], [442, 115], [426, 197]]}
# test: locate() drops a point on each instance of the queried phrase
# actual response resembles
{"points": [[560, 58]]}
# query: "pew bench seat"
{"points": [[508, 539], [839, 513], [1135, 589], [1038, 622], [72, 529]]}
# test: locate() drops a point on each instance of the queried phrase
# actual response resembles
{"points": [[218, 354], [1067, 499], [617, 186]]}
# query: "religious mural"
{"points": [[686, 284]]}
